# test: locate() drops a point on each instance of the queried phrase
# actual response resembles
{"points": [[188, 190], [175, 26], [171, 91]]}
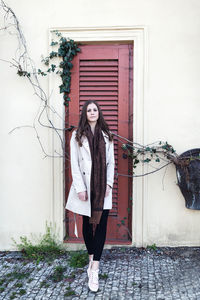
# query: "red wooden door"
{"points": [[104, 73]]}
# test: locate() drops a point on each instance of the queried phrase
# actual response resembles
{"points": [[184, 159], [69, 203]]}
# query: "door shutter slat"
{"points": [[99, 88], [107, 103], [98, 93], [100, 98], [99, 62], [98, 69], [103, 74], [103, 78], [102, 84]]}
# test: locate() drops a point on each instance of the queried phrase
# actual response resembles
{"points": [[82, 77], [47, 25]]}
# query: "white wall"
{"points": [[171, 113]]}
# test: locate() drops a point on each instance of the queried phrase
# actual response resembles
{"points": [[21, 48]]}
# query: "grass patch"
{"points": [[19, 285], [152, 247], [22, 292], [58, 273], [17, 275], [13, 295], [123, 249], [103, 276], [69, 292], [70, 278], [2, 281], [45, 284], [78, 259], [46, 247], [72, 275]]}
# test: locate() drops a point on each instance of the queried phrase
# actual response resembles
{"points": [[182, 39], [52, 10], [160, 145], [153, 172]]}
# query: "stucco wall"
{"points": [[171, 112]]}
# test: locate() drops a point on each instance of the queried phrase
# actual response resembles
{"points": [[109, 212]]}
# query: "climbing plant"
{"points": [[156, 152], [66, 49]]}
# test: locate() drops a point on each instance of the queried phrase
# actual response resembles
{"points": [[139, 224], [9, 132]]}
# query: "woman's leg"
{"points": [[96, 248], [99, 239], [98, 244], [95, 244], [88, 236]]}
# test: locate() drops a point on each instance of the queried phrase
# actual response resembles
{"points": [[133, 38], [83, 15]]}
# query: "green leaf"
{"points": [[147, 160], [53, 43], [53, 67], [41, 73], [62, 88], [66, 97], [70, 65], [67, 72], [63, 40], [61, 52], [53, 54]]}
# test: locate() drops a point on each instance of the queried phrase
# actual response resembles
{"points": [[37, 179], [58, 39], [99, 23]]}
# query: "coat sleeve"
{"points": [[110, 165], [78, 182]]}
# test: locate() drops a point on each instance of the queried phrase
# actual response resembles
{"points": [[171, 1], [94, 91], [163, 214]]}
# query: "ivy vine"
{"points": [[146, 154], [66, 49]]}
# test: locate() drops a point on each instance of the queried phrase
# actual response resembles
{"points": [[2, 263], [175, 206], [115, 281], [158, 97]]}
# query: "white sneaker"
{"points": [[89, 267], [93, 282]]}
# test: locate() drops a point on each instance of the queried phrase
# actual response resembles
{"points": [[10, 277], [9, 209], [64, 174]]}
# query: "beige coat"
{"points": [[81, 164]]}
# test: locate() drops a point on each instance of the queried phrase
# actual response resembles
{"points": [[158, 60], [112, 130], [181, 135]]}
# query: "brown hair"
{"points": [[83, 122]]}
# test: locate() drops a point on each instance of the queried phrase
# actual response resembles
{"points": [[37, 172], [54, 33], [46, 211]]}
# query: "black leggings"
{"points": [[94, 244]]}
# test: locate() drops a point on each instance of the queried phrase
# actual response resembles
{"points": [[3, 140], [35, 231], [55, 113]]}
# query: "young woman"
{"points": [[92, 166]]}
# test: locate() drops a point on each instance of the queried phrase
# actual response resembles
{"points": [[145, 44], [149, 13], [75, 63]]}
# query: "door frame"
{"points": [[139, 37]]}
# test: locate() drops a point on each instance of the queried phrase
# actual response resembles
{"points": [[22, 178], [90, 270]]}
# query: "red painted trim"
{"points": [[98, 65], [73, 241]]}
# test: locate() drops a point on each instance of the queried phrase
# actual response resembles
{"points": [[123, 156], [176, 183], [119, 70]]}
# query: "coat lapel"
{"points": [[85, 144]]}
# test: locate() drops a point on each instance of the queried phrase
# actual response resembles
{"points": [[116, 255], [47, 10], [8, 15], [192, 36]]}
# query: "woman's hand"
{"points": [[108, 188], [83, 196]]}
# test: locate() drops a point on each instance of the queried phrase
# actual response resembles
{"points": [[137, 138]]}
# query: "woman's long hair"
{"points": [[83, 122]]}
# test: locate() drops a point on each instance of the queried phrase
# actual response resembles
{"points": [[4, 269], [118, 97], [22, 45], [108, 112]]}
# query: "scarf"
{"points": [[98, 173]]}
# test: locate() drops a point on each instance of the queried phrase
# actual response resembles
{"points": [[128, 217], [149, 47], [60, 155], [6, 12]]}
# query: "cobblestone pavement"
{"points": [[133, 273]]}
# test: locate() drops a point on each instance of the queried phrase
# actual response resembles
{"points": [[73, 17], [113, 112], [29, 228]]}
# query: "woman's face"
{"points": [[92, 113]]}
